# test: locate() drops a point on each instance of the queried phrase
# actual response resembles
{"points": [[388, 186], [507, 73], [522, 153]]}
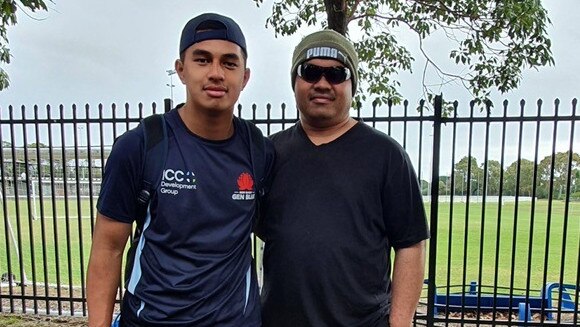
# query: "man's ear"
{"points": [[246, 77], [179, 69]]}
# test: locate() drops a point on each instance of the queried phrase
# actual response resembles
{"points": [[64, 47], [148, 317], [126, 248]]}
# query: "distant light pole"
{"points": [[171, 72], [84, 160]]}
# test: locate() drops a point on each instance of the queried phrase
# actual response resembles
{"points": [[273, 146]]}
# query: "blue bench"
{"points": [[473, 298], [561, 298], [552, 298]]}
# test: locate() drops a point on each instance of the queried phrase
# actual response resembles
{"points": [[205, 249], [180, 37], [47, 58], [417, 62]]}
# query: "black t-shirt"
{"points": [[333, 214]]}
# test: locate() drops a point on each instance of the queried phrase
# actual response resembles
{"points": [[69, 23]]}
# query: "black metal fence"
{"points": [[500, 184]]}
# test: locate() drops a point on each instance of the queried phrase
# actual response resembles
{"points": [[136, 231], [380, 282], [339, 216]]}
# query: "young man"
{"points": [[342, 196], [193, 265]]}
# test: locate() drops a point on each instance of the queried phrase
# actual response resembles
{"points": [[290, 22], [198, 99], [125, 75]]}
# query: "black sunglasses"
{"points": [[313, 73]]}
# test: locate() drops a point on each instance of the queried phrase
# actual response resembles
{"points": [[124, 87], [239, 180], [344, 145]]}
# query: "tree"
{"points": [[493, 174], [526, 178], [493, 41], [8, 17], [560, 174], [34, 145], [465, 178], [425, 187], [442, 188], [444, 185]]}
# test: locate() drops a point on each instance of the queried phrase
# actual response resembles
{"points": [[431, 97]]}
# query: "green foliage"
{"points": [[34, 145], [424, 187], [443, 190], [7, 18], [575, 196], [520, 177], [493, 177], [559, 162], [492, 41], [468, 176]]}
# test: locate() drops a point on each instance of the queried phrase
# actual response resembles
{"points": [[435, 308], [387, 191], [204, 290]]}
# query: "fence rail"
{"points": [[501, 187]]}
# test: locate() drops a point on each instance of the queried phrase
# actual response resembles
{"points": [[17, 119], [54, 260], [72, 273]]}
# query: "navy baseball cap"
{"points": [[211, 26]]}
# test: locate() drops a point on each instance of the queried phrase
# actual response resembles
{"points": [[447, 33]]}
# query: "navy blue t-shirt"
{"points": [[193, 264]]}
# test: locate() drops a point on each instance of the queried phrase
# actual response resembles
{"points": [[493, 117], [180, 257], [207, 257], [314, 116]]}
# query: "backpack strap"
{"points": [[261, 166], [154, 157], [156, 145], [257, 144]]}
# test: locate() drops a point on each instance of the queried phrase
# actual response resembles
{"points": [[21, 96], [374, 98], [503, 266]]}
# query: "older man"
{"points": [[343, 195]]}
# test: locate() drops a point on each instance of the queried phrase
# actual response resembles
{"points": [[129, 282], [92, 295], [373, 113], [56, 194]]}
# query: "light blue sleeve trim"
{"points": [[136, 272], [248, 285], [141, 308]]}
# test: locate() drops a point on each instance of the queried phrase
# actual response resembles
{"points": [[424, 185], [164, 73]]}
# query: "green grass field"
{"points": [[498, 244], [521, 247], [43, 240]]}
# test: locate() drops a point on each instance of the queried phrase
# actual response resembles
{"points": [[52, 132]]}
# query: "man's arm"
{"points": [[104, 270], [408, 274]]}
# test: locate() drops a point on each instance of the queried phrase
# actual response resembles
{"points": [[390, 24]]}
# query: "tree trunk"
{"points": [[336, 13]]}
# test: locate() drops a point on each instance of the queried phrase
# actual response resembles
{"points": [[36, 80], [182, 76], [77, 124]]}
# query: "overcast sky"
{"points": [[118, 51], [91, 52]]}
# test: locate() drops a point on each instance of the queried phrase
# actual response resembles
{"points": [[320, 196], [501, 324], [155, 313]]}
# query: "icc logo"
{"points": [[178, 176]]}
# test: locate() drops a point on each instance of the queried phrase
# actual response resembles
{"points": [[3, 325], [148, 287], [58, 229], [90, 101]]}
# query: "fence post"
{"points": [[437, 106], [168, 104]]}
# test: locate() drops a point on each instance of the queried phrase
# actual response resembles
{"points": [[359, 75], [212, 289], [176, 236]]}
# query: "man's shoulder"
{"points": [[247, 126], [375, 136], [129, 141], [284, 135], [256, 135], [378, 144]]}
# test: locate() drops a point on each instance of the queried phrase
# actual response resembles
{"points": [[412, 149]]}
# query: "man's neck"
{"points": [[213, 126], [326, 134]]}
